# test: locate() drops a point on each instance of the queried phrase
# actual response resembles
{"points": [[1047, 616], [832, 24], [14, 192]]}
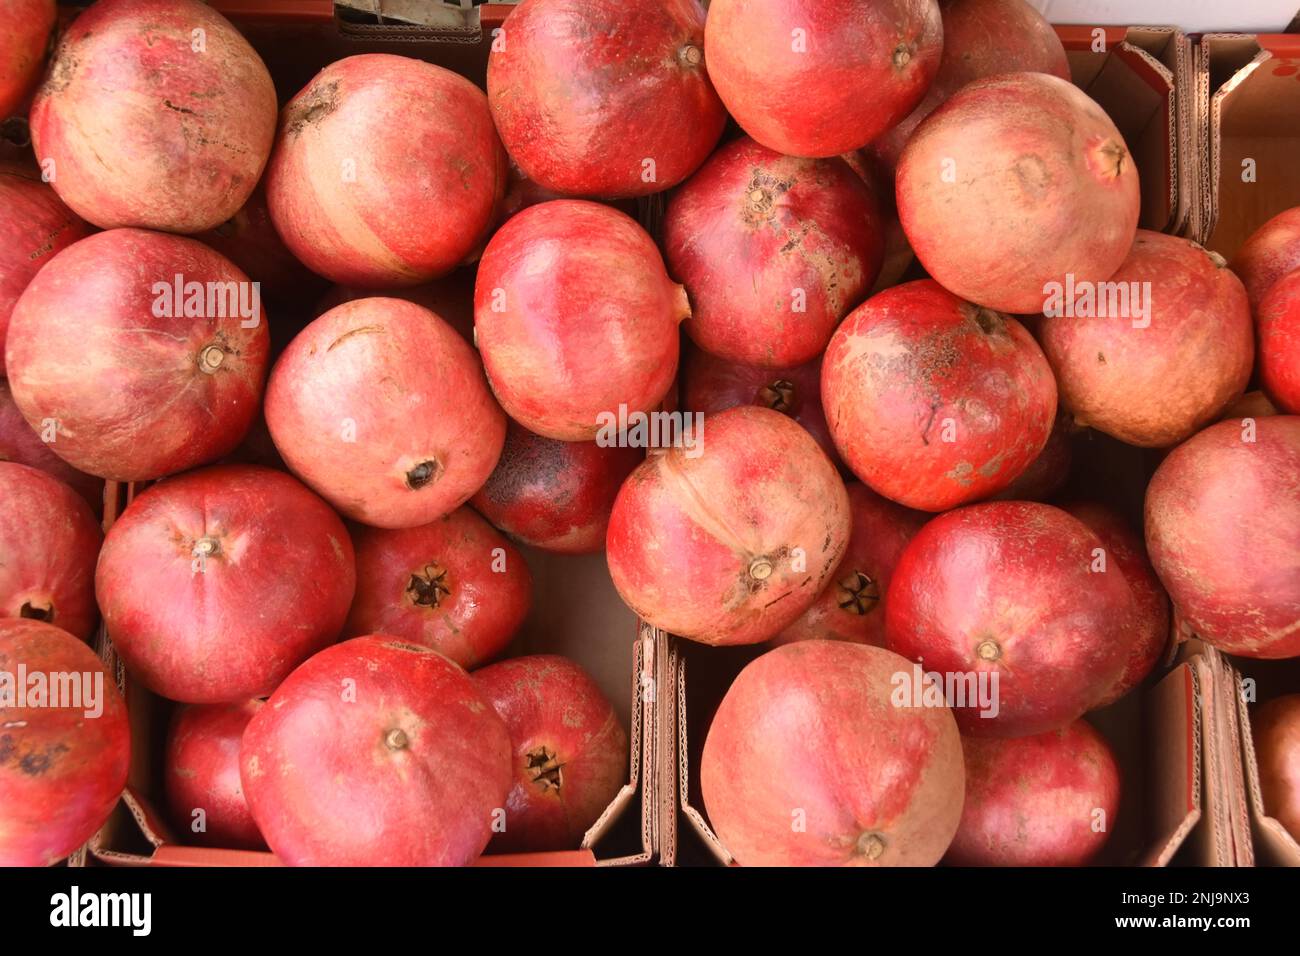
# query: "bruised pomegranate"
{"points": [[812, 761], [1271, 252], [821, 77], [1276, 732], [555, 495], [1279, 342], [569, 751], [377, 753], [382, 408], [729, 541], [1222, 513], [136, 354], [933, 401], [773, 252], [201, 775], [1045, 800], [24, 35], [386, 171], [65, 745], [576, 318], [1013, 604], [49, 541], [154, 113], [216, 584], [1018, 182], [18, 443]]}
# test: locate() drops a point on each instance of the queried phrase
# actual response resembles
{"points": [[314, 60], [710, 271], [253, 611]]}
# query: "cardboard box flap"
{"points": [[696, 819], [1274, 845], [1174, 804]]}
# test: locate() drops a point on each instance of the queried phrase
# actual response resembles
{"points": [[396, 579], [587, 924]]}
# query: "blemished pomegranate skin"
{"points": [[1275, 729], [201, 784], [1272, 251], [1047, 474], [1278, 329], [809, 761], [24, 35], [21, 444]]}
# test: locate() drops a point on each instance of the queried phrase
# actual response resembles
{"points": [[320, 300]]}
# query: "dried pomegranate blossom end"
{"points": [[871, 845], [778, 395], [30, 610], [859, 593], [422, 474], [545, 768], [428, 587], [396, 739], [988, 650]]}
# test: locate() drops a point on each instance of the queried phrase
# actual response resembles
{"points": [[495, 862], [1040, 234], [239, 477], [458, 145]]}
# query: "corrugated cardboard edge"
{"points": [[1276, 846], [1173, 734], [693, 816], [1140, 51], [1214, 117]]}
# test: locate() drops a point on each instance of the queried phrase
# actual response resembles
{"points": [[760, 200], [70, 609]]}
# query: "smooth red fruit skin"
{"points": [[1034, 801], [555, 495], [851, 606], [382, 408], [19, 444], [1271, 252], [135, 395], [1223, 533], [216, 584], [1279, 342], [574, 317], [1017, 181], [201, 772], [796, 73], [145, 131], [376, 753], [935, 402], [61, 771], [731, 543], [454, 585], [809, 762], [49, 540], [1149, 623], [569, 751], [24, 35], [584, 92], [428, 171], [1276, 732], [1153, 380], [1007, 587], [773, 252]]}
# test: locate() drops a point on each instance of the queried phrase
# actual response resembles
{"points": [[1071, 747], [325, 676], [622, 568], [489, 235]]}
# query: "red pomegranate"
{"points": [[851, 606], [201, 775], [1271, 252], [1149, 623], [394, 456], [23, 39], [576, 318], [1222, 513], [1158, 351], [137, 354], [377, 753], [821, 77], [450, 297], [49, 541], [63, 755], [218, 583], [812, 760], [569, 751], [555, 495], [1276, 732], [1016, 183], [1010, 603], [1279, 342], [154, 113], [18, 443], [454, 585], [1251, 405], [604, 97], [1046, 800], [773, 252], [1047, 474], [730, 541], [933, 401], [386, 171]]}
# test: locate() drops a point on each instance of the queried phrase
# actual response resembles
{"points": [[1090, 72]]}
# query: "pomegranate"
{"points": [[1222, 513], [201, 775], [193, 586], [49, 540], [450, 298], [933, 401], [1045, 800], [851, 606], [1271, 252], [773, 251], [1011, 603], [1018, 182], [1279, 342], [18, 443], [898, 256], [23, 39], [1276, 731], [137, 354], [394, 456], [377, 753], [555, 495], [821, 77], [569, 751], [64, 745], [386, 171], [730, 541], [154, 113], [1251, 405], [1046, 474], [576, 318], [811, 760]]}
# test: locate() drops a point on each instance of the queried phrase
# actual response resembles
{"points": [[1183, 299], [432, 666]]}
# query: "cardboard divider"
{"points": [[1251, 683]]}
